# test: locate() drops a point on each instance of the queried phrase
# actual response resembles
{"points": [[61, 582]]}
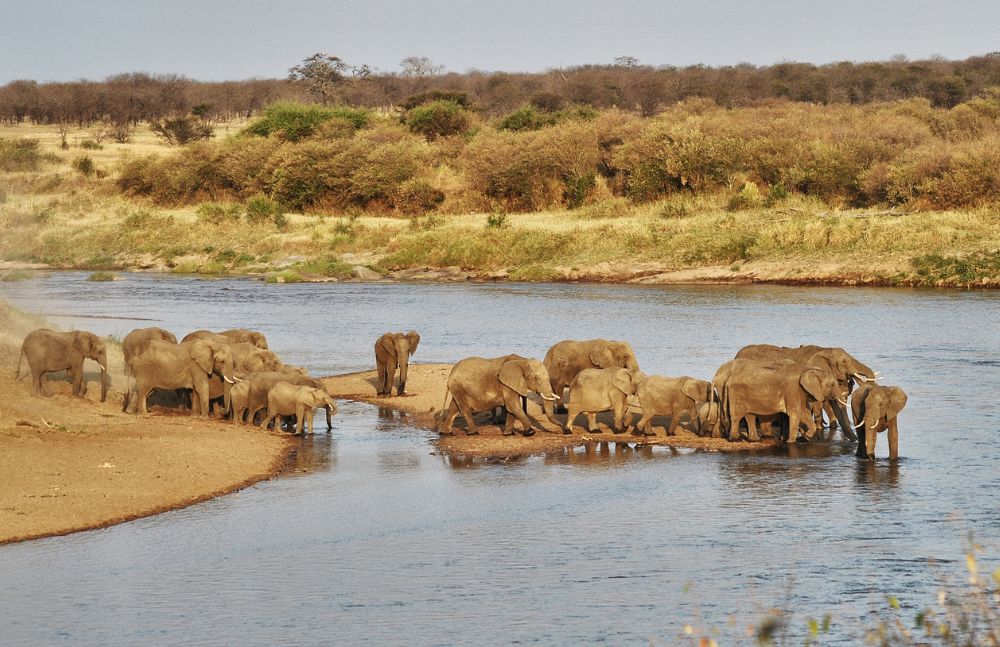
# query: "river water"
{"points": [[372, 538]]}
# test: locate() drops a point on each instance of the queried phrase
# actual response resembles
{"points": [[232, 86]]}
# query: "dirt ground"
{"points": [[425, 386], [70, 463]]}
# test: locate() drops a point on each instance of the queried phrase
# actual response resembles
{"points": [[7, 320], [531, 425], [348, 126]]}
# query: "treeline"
{"points": [[132, 98], [440, 155]]}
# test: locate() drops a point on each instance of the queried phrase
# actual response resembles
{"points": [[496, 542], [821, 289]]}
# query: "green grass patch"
{"points": [[102, 276], [972, 269], [16, 275]]}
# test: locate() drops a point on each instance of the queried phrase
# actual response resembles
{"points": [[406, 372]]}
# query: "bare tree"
{"points": [[321, 74], [420, 67], [626, 61]]}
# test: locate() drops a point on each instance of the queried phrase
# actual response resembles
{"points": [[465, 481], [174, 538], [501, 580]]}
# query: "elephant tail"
{"points": [[443, 413]]}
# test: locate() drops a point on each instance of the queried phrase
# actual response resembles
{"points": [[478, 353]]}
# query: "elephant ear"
{"points": [[811, 382], [897, 400], [512, 376], [622, 380], [602, 358], [695, 390], [203, 355], [84, 343], [414, 339], [388, 344]]}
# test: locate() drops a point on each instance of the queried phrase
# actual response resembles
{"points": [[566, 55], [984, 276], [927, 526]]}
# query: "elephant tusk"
{"points": [[860, 425], [103, 367], [843, 402], [228, 380], [548, 397]]}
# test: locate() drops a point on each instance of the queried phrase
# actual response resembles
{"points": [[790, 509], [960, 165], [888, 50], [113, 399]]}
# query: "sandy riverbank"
{"points": [[70, 464], [426, 384]]}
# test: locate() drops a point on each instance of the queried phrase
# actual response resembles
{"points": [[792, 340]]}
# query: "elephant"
{"points": [[481, 384], [876, 408], [567, 358], [600, 389], [134, 341], [845, 366], [670, 396], [286, 399], [234, 336], [162, 365], [248, 358], [752, 388], [392, 350], [261, 384], [238, 397], [707, 418], [48, 351]]}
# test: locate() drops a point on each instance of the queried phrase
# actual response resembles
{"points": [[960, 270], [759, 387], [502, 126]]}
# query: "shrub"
{"points": [[84, 165], [90, 144], [497, 220], [20, 155], [102, 276], [748, 197], [292, 121], [439, 118], [460, 98], [416, 197], [526, 118], [261, 208], [178, 131], [218, 213], [613, 208], [186, 177]]}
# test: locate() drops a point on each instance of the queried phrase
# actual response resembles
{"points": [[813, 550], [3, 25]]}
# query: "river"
{"points": [[373, 538]]}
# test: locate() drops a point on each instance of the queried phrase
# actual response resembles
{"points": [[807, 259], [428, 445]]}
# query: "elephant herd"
{"points": [[234, 371], [762, 386], [764, 390]]}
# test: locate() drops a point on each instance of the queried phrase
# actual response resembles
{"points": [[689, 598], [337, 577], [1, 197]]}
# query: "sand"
{"points": [[426, 385], [69, 463]]}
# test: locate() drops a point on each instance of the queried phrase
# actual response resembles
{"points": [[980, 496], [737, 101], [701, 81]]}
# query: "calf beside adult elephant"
{"points": [[567, 358], [671, 396], [286, 399], [481, 384], [876, 408], [48, 351], [260, 384], [392, 351], [594, 390]]}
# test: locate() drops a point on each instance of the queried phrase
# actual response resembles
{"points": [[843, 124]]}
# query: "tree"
{"points": [[321, 74], [626, 61], [420, 67]]}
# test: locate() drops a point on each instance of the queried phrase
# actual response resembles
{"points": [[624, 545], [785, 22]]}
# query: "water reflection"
{"points": [[311, 453]]}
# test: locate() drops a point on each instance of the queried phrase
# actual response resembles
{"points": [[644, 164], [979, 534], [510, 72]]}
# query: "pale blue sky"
{"points": [[235, 39]]}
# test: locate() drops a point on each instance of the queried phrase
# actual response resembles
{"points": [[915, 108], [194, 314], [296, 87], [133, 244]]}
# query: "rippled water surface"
{"points": [[371, 538]]}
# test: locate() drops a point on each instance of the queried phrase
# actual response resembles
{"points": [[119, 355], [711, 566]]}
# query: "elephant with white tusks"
{"points": [[286, 399], [392, 351], [481, 384], [670, 396], [876, 408], [162, 365], [48, 351], [600, 389]]}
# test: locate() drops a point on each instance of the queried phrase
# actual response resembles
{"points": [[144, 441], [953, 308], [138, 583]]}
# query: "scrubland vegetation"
{"points": [[890, 192]]}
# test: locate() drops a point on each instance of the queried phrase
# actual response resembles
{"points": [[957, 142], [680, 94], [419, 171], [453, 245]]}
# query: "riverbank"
{"points": [[426, 385], [71, 464]]}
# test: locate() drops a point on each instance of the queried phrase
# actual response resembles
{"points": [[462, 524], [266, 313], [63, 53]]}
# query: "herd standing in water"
{"points": [[769, 391]]}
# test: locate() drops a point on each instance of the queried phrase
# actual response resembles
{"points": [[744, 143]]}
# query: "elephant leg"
{"points": [[300, 418], [266, 422], [329, 419], [390, 376], [571, 414], [41, 388], [559, 390], [470, 422], [311, 420], [592, 423], [619, 417], [893, 440], [380, 379], [871, 432], [76, 377], [811, 428], [672, 427], [448, 420], [734, 425], [645, 422], [752, 434], [828, 409]]}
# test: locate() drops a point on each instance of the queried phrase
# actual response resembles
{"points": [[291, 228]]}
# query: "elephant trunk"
{"points": [[842, 418], [105, 383], [404, 365]]}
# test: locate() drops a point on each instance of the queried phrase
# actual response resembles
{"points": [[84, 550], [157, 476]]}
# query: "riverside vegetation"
{"points": [[892, 193]]}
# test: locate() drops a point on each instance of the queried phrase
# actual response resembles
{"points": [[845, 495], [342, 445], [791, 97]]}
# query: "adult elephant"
{"points": [[136, 339], [567, 358], [844, 366], [162, 365], [671, 396], [875, 408], [752, 388], [248, 358], [262, 383], [481, 384], [392, 351], [234, 336], [48, 351]]}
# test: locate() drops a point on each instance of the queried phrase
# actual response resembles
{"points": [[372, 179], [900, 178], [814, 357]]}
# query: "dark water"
{"points": [[373, 539]]}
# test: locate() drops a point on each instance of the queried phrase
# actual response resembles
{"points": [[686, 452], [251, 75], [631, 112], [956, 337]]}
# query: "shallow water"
{"points": [[371, 538]]}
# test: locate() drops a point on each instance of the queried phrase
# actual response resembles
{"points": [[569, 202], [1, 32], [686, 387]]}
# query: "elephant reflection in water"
{"points": [[311, 453]]}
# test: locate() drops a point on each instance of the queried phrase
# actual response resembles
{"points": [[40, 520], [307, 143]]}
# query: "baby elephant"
{"points": [[286, 399], [600, 389], [707, 419], [875, 407], [670, 396]]}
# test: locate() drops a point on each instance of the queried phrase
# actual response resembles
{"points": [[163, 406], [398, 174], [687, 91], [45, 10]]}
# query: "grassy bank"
{"points": [[55, 214]]}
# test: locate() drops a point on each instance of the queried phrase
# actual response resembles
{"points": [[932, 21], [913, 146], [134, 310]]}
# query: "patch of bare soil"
{"points": [[426, 385]]}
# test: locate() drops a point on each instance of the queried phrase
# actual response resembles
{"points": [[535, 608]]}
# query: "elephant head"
{"points": [[398, 347], [697, 390], [313, 397], [524, 375], [614, 354], [846, 367], [876, 408], [214, 357], [822, 385], [91, 346], [625, 381]]}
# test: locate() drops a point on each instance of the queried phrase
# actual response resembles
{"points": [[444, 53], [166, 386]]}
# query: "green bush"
{"points": [[84, 165], [218, 213], [526, 118], [178, 131], [20, 155], [748, 197], [497, 220], [439, 118], [261, 208], [292, 121], [416, 196], [101, 276], [460, 98]]}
